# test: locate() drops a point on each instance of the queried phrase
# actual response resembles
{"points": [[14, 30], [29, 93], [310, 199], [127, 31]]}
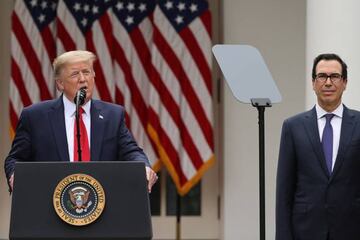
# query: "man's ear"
{"points": [[313, 84], [345, 84], [59, 84]]}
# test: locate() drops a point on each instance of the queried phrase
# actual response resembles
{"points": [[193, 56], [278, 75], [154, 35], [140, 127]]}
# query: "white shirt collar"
{"points": [[320, 112], [70, 107]]}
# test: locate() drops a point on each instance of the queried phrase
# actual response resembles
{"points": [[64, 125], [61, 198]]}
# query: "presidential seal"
{"points": [[79, 199]]}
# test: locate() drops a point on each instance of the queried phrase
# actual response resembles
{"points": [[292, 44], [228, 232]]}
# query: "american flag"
{"points": [[181, 114], [132, 42], [32, 51], [154, 57]]}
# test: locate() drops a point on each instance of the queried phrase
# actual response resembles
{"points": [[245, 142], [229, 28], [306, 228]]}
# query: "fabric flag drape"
{"points": [[32, 51], [132, 30], [181, 114], [154, 58]]}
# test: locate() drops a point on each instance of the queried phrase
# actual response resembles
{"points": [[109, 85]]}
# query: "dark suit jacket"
{"points": [[311, 204], [41, 135]]}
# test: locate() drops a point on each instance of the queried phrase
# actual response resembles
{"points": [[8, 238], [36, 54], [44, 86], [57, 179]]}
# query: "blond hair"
{"points": [[71, 56]]}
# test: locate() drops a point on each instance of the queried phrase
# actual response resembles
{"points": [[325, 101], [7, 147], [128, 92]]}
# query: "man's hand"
{"points": [[151, 177], [11, 182]]}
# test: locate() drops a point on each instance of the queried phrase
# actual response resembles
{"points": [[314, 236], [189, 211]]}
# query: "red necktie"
{"points": [[84, 142]]}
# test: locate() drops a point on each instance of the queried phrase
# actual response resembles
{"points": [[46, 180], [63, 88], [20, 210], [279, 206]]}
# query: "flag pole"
{"points": [[178, 216]]}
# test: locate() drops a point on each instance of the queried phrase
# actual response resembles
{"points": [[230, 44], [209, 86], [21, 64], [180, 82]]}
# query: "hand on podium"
{"points": [[11, 183], [152, 177]]}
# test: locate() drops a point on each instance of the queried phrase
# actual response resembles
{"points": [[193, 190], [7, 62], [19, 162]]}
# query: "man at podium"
{"points": [[47, 130]]}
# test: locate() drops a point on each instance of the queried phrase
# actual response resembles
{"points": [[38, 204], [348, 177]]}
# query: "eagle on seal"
{"points": [[79, 197]]}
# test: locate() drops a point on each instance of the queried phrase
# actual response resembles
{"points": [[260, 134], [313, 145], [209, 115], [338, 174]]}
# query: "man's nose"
{"points": [[81, 77], [328, 81]]}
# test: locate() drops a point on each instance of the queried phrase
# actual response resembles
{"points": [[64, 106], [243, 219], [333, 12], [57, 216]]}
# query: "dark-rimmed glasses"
{"points": [[334, 77]]}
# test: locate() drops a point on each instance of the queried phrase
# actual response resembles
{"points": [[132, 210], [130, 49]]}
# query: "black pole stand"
{"points": [[261, 104], [178, 216], [77, 119]]}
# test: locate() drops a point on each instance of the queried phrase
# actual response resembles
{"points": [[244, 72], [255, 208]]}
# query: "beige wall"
{"points": [[348, 48], [277, 29], [5, 11]]}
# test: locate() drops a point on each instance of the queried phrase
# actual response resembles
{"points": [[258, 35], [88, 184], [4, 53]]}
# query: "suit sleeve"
{"points": [[128, 149], [21, 146], [285, 185]]}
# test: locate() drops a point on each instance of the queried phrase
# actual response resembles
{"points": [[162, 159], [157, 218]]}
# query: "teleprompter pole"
{"points": [[261, 104]]}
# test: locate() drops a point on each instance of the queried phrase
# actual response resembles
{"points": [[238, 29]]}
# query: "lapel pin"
{"points": [[100, 116]]}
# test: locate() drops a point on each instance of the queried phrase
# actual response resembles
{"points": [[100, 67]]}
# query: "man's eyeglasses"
{"points": [[334, 77]]}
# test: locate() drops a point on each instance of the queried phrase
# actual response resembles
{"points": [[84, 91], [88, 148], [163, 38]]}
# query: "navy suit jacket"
{"points": [[312, 204], [41, 135]]}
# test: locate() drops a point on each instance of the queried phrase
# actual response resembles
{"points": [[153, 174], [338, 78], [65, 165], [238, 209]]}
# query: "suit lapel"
{"points": [[57, 119], [312, 131], [347, 127], [97, 130]]}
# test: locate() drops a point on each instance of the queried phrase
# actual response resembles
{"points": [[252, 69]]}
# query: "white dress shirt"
{"points": [[69, 113], [336, 125]]}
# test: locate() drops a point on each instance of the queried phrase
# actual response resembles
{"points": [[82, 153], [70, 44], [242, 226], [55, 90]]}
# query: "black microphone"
{"points": [[79, 100], [80, 96]]}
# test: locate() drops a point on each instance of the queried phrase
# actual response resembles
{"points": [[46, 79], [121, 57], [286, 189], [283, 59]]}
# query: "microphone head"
{"points": [[80, 96]]}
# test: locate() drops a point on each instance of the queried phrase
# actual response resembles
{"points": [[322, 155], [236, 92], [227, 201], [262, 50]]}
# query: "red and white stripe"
{"points": [[32, 52], [183, 97], [132, 55]]}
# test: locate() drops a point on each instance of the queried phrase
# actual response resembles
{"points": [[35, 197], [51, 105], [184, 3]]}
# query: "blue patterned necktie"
{"points": [[327, 141]]}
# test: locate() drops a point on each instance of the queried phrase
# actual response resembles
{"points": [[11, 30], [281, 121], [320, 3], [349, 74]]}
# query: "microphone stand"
{"points": [[78, 127]]}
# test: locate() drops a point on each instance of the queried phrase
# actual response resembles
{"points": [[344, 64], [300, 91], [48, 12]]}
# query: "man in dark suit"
{"points": [[46, 131], [318, 178]]}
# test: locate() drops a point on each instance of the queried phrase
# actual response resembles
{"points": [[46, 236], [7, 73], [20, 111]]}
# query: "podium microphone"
{"points": [[79, 100]]}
